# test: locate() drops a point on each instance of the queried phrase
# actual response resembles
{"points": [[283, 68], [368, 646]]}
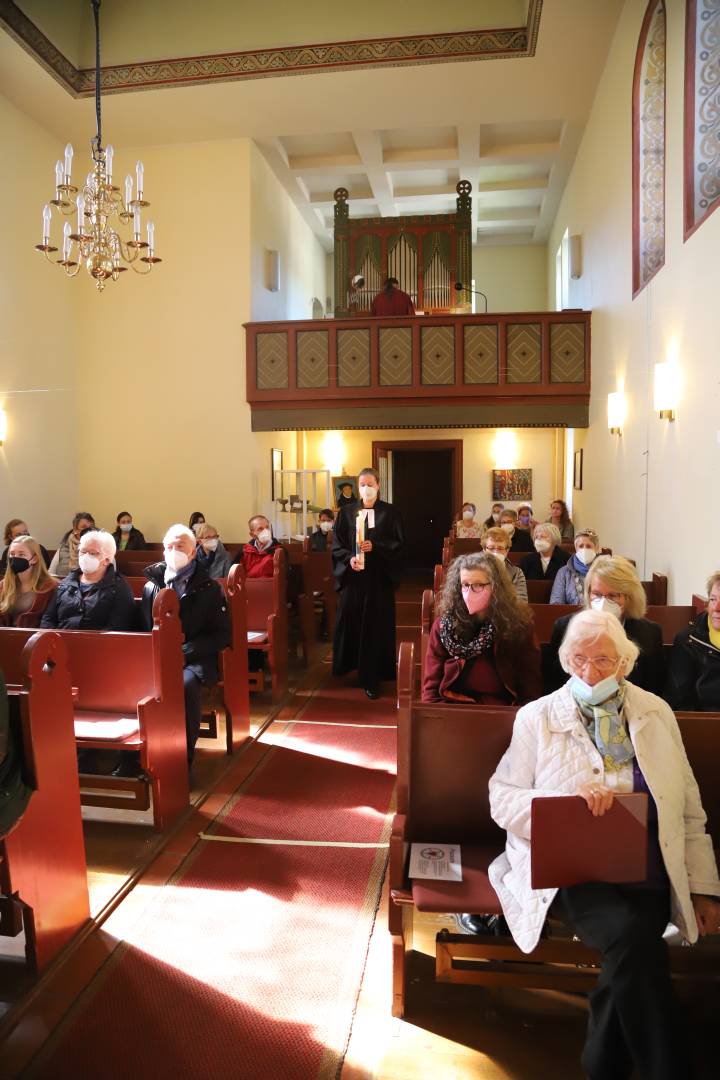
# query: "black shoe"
{"points": [[372, 692], [128, 767], [481, 924]]}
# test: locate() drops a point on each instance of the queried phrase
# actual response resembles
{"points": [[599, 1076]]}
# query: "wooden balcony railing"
{"points": [[529, 369]]}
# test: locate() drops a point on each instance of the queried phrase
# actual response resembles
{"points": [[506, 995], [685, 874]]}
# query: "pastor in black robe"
{"points": [[365, 624]]}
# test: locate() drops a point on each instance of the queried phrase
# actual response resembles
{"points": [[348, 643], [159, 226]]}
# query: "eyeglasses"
{"points": [[476, 586], [616, 597], [603, 664]]}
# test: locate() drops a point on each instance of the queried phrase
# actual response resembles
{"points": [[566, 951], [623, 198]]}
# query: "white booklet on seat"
{"points": [[441, 862]]}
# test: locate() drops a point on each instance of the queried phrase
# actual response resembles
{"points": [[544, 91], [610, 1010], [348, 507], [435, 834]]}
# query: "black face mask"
{"points": [[17, 565]]}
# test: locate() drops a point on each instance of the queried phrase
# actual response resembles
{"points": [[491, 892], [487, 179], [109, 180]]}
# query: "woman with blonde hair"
{"points": [[482, 646], [27, 586], [612, 585]]}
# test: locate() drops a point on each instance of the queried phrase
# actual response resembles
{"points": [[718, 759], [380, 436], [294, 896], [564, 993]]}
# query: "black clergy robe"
{"points": [[365, 623]]}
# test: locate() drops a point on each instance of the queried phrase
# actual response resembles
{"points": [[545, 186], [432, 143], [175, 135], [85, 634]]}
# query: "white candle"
{"points": [[139, 172], [128, 189], [66, 240], [80, 201], [136, 222], [359, 537], [151, 236], [47, 215], [109, 152], [58, 173], [68, 162]]}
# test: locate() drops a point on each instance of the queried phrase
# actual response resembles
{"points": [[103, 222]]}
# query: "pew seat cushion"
{"points": [[474, 893], [256, 637], [108, 726]]}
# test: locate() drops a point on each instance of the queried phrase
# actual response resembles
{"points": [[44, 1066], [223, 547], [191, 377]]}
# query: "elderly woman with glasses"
{"points": [[569, 584], [482, 647], [598, 736], [547, 558], [612, 585]]}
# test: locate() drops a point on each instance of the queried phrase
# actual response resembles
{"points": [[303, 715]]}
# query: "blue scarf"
{"points": [[580, 566], [606, 727]]}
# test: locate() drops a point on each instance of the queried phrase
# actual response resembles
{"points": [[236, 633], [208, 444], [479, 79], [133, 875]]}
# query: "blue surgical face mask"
{"points": [[594, 695]]}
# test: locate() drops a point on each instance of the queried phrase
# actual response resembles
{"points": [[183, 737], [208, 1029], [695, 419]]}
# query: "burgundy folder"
{"points": [[568, 846]]}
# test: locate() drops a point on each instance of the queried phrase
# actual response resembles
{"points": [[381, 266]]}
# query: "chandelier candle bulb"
{"points": [[58, 173], [66, 240], [47, 216], [68, 162], [139, 171], [109, 154], [151, 237], [80, 201], [136, 222], [128, 189]]}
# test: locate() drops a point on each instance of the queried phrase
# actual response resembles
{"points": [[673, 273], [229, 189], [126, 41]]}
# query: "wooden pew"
{"points": [[318, 579], [43, 877], [446, 756], [231, 694], [267, 620], [539, 591], [130, 676]]}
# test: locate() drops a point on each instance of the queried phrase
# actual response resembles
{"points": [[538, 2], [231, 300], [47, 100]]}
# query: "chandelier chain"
{"points": [[97, 141]]}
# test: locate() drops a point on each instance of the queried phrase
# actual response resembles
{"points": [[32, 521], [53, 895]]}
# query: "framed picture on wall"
{"points": [[276, 464], [511, 485], [577, 470], [344, 491]]}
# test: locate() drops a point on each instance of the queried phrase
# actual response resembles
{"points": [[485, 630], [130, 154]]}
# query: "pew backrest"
{"points": [[266, 596]]}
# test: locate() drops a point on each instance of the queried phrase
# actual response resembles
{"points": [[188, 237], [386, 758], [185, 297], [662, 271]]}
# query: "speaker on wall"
{"points": [[273, 271], [575, 256]]}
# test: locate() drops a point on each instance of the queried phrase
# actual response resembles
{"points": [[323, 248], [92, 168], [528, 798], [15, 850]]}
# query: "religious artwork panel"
{"points": [[524, 353], [567, 352], [481, 354], [438, 355], [702, 111], [649, 148], [344, 491], [312, 359], [272, 361], [511, 485]]}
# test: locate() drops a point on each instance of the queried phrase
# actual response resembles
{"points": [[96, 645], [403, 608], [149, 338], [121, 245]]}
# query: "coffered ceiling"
{"points": [[394, 102]]}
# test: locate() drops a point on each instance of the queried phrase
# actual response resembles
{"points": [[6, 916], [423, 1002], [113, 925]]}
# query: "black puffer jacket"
{"points": [[203, 614], [694, 675], [106, 605]]}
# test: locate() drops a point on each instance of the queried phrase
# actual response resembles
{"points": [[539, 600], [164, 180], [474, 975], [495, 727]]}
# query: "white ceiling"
{"points": [[398, 139]]}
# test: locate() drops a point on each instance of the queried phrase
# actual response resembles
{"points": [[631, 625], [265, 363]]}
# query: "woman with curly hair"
{"points": [[482, 646]]}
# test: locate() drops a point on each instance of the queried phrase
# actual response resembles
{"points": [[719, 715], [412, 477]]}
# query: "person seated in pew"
{"points": [[493, 518], [95, 596], [693, 682], [569, 584], [525, 519], [612, 584], [466, 527], [27, 587], [496, 542], [559, 516], [126, 536], [597, 736], [322, 537], [548, 556], [17, 527], [520, 540], [482, 645], [197, 518], [257, 555], [66, 556], [205, 625], [211, 553]]}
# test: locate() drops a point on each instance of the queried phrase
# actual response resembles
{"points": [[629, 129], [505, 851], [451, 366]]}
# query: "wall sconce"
{"points": [[666, 390], [272, 271], [616, 412], [505, 450], [334, 453], [575, 256], [3, 426]]}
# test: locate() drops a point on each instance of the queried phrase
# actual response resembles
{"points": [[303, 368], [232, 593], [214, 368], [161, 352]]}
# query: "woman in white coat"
{"points": [[595, 736]]}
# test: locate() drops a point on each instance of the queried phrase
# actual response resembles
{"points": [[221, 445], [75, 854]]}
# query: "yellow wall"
{"points": [[513, 277], [658, 475], [536, 448], [37, 342]]}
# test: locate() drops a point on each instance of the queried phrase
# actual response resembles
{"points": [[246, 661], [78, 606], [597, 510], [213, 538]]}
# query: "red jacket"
{"points": [[31, 617], [517, 665], [395, 302], [257, 563]]}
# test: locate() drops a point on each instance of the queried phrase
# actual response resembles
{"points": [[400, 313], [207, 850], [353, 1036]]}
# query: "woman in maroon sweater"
{"points": [[482, 646]]}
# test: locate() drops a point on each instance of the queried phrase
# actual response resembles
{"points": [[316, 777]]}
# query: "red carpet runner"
{"points": [[247, 964]]}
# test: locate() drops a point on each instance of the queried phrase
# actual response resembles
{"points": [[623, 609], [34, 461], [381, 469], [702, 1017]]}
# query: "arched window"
{"points": [[702, 111], [648, 174]]}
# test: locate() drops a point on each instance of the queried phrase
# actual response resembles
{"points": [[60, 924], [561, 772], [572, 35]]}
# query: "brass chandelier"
{"points": [[95, 244]]}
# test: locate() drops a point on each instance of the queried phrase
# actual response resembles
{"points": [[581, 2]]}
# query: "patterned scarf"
{"points": [[606, 728], [483, 642]]}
